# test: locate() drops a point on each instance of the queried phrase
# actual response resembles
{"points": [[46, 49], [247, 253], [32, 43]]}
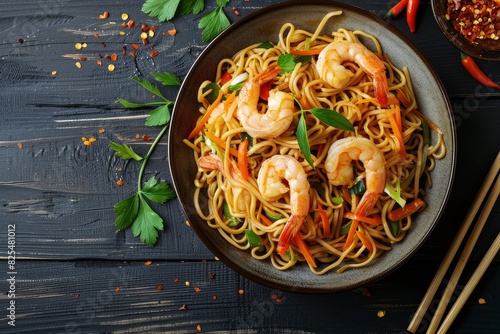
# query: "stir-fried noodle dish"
{"points": [[311, 149]]}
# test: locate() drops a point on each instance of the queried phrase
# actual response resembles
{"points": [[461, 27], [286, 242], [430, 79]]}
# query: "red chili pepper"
{"points": [[264, 90], [474, 70], [225, 78], [396, 9], [411, 14]]}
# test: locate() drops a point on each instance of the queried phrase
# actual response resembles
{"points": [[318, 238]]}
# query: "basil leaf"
{"points": [[332, 118], [303, 141], [265, 45]]}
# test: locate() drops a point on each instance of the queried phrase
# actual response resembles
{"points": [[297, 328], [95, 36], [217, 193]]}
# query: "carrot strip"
{"points": [[350, 235], [205, 117], [222, 144], [324, 219], [265, 220], [299, 242], [243, 158], [432, 125], [396, 130], [345, 195], [310, 52], [402, 97], [376, 220], [407, 210], [305, 103], [365, 241]]}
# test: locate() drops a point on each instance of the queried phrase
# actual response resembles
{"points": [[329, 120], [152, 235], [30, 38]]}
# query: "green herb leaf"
{"points": [[157, 192], [253, 239], [167, 78], [190, 6], [394, 227], [358, 188], [265, 45], [332, 118], [233, 221], [147, 224], [124, 151], [344, 229], [159, 116], [395, 192], [213, 23], [150, 87], [133, 105], [215, 89], [127, 211], [287, 62], [302, 139], [164, 10]]}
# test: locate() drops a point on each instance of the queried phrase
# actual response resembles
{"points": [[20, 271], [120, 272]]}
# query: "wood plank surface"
{"points": [[59, 193]]}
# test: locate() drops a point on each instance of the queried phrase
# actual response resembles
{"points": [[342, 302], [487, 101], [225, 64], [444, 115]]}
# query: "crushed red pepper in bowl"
{"points": [[473, 26]]}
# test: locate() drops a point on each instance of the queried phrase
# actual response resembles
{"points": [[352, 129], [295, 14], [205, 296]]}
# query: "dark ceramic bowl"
{"points": [[264, 25], [482, 49]]}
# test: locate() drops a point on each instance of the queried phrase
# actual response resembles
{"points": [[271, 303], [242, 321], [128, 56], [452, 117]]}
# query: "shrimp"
{"points": [[278, 116], [330, 69], [271, 186], [241, 196], [339, 171]]}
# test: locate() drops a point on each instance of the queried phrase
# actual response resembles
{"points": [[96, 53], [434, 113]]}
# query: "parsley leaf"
{"points": [[191, 6], [164, 10], [135, 211], [213, 24], [124, 151]]}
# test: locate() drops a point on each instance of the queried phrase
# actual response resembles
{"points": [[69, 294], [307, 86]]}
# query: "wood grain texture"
{"points": [[60, 193]]}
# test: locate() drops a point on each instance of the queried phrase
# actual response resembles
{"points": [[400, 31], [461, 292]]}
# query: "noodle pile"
{"points": [[241, 214]]}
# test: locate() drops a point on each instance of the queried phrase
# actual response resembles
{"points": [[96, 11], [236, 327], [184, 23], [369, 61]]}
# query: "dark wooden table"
{"points": [[74, 273]]}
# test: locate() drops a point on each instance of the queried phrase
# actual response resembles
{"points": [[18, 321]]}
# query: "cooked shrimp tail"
{"points": [[270, 182]]}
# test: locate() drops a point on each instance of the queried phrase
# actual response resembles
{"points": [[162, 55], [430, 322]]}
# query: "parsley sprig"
{"points": [[135, 211], [211, 24]]}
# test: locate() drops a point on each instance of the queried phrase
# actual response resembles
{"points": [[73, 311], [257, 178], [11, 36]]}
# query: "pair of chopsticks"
{"points": [[436, 326]]}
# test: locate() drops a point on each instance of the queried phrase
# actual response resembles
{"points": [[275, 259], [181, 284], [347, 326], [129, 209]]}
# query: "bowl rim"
{"points": [[479, 50], [317, 290]]}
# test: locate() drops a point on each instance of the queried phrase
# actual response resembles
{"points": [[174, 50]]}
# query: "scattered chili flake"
{"points": [[381, 313], [78, 46], [188, 223], [114, 57], [104, 15], [137, 136], [87, 143], [78, 64], [99, 62], [77, 295], [214, 297], [159, 287], [131, 54], [151, 28], [144, 27], [124, 16], [122, 33], [84, 45], [124, 49], [481, 301], [212, 275], [111, 67], [144, 35], [146, 137], [92, 139], [20, 40], [154, 54], [197, 289], [103, 44], [120, 182], [187, 283], [134, 46], [145, 41], [279, 299], [475, 20], [130, 24], [241, 291], [172, 32], [148, 263], [176, 280], [53, 73], [117, 289], [20, 145], [198, 327], [183, 308], [83, 58], [102, 130], [236, 11], [151, 33], [96, 35]]}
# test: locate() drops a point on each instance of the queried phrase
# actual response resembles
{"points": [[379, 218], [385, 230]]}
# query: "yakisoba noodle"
{"points": [[325, 228]]}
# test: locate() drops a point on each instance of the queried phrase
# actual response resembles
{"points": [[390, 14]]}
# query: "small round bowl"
{"points": [[261, 26], [486, 49]]}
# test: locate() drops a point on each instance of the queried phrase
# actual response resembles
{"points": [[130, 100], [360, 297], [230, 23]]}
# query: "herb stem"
{"points": [[146, 158]]}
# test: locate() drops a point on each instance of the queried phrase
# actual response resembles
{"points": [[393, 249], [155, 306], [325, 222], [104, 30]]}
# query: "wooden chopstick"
{"points": [[443, 268], [471, 284]]}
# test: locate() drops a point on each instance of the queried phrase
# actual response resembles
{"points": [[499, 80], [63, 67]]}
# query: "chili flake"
{"points": [[99, 62], [159, 287], [53, 73], [381, 314], [172, 32], [114, 57], [104, 15], [236, 11], [130, 24], [154, 54], [102, 130], [241, 291], [96, 35], [117, 289], [475, 20], [188, 223], [148, 263], [187, 283], [122, 33], [124, 16], [183, 308], [78, 46], [78, 64], [144, 35], [111, 67], [134, 46], [20, 145], [481, 301], [120, 182], [198, 328]]}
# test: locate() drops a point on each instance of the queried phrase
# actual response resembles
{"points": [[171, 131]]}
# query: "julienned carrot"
{"points": [[365, 241], [396, 129], [205, 117], [324, 220], [408, 209], [265, 220], [376, 220], [299, 242], [243, 158], [402, 97], [222, 144], [350, 235], [304, 103], [310, 52], [431, 124], [345, 195]]}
